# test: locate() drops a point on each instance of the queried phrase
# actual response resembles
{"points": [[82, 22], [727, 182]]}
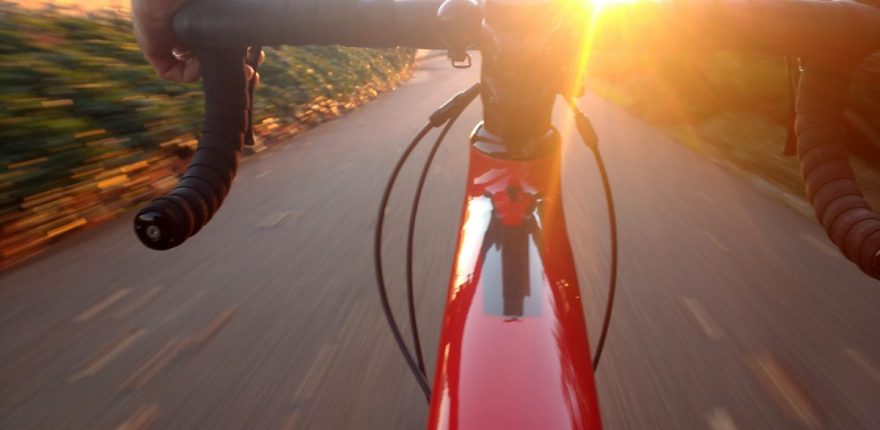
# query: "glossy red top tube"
{"points": [[514, 352]]}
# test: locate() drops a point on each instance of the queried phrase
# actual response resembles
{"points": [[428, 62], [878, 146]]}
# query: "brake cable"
{"points": [[589, 137], [446, 114], [467, 97]]}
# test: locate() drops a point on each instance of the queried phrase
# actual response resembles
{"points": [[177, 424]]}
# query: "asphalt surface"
{"points": [[734, 311]]}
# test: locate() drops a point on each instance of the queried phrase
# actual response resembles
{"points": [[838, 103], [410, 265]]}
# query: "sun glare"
{"points": [[593, 13], [596, 12], [601, 3]]}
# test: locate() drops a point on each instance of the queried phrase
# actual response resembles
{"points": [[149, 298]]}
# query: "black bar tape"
{"points": [[831, 187], [168, 221], [868, 257], [823, 156], [219, 156], [827, 174], [857, 235], [839, 169], [219, 164], [844, 223], [223, 119], [840, 206], [207, 192], [187, 218], [830, 191], [196, 204], [220, 182]]}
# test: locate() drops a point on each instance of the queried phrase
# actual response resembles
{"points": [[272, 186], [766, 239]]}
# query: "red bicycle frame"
{"points": [[514, 352]]}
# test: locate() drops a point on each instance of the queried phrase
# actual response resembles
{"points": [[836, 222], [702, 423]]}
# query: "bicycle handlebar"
{"points": [[359, 23], [786, 27], [836, 198], [170, 220], [829, 34]]}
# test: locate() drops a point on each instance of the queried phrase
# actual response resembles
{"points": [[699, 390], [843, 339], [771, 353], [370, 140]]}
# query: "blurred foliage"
{"points": [[736, 108], [685, 87], [86, 128]]}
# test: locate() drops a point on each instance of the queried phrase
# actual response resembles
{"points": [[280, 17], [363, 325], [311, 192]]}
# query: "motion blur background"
{"points": [[735, 311]]}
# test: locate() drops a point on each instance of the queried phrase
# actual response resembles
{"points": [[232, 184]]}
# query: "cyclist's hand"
{"points": [[250, 73], [155, 35]]}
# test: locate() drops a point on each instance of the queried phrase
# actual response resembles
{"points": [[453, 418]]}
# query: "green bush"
{"points": [[683, 87], [80, 109], [75, 91]]}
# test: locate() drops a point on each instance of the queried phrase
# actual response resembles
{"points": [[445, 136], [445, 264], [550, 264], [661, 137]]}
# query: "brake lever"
{"points": [[252, 59], [793, 64]]}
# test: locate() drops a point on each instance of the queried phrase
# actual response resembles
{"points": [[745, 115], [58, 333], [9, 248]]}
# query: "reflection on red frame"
{"points": [[513, 351]]}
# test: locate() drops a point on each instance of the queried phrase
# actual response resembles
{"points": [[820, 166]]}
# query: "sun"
{"points": [[602, 3]]}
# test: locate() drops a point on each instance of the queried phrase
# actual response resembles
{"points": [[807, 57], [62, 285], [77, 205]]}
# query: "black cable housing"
{"points": [[588, 134], [377, 259], [460, 102], [447, 114]]}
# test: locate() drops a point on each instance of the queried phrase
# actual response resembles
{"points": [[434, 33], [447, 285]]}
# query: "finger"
{"points": [[169, 58], [262, 57], [250, 74], [168, 67], [181, 53], [192, 70], [182, 56]]}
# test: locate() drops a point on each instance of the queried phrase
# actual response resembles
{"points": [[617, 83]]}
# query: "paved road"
{"points": [[734, 311]]}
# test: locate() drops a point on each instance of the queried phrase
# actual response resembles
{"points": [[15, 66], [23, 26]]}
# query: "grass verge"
{"points": [[87, 131], [734, 109]]}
